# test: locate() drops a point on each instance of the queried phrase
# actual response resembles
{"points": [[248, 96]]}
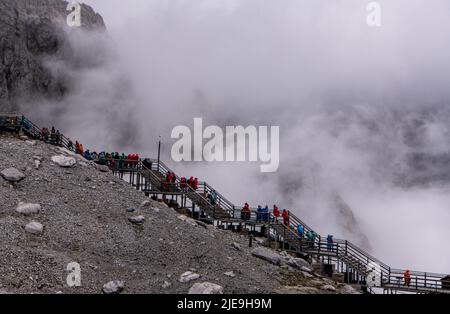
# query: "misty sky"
{"points": [[346, 97]]}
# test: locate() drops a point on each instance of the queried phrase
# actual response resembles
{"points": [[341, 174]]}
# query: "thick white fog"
{"points": [[356, 106]]}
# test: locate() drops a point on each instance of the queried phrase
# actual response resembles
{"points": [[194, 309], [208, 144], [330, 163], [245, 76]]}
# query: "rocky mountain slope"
{"points": [[30, 32], [84, 214]]}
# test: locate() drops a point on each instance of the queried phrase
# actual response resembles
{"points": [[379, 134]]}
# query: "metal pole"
{"points": [[159, 151]]}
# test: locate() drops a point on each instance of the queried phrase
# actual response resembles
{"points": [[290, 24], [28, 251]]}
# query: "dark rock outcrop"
{"points": [[30, 32]]}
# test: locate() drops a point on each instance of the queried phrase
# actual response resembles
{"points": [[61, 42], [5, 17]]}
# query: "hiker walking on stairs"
{"points": [[213, 197], [258, 213], [245, 213], [285, 216], [183, 184], [276, 213], [195, 184], [311, 235], [300, 231], [190, 182], [330, 242], [265, 214], [407, 277]]}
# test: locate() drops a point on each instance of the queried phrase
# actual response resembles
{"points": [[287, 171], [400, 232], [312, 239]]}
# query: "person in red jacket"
{"points": [[285, 216], [183, 184], [129, 161], [276, 212], [191, 182], [136, 158], [246, 212], [407, 277], [195, 184]]}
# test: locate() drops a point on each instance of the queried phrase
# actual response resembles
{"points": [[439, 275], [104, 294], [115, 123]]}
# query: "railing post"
{"points": [[320, 241]]}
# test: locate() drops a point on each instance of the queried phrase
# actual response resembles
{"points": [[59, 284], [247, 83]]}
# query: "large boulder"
{"points": [[206, 288], [63, 161], [28, 208], [12, 175], [268, 255], [102, 168], [279, 259], [299, 263]]}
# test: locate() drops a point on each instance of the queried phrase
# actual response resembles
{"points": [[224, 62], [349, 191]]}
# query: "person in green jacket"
{"points": [[122, 160]]}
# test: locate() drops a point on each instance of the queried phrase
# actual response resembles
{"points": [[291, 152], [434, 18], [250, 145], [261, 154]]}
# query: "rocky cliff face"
{"points": [[30, 32]]}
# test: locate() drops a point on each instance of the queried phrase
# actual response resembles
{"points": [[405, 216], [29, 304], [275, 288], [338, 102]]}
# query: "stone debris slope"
{"points": [[57, 214]]}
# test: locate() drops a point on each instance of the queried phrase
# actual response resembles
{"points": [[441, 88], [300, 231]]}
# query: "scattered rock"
{"points": [[188, 220], [12, 175], [188, 276], [201, 224], [28, 208], [37, 158], [230, 274], [29, 142], [236, 246], [306, 269], [307, 275], [113, 287], [137, 219], [297, 290], [37, 164], [131, 210], [328, 288], [346, 289], [34, 228], [260, 241], [63, 161], [146, 203], [166, 285], [206, 288]]}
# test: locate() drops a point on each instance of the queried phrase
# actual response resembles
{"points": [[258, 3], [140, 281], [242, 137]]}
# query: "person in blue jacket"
{"points": [[300, 231], [259, 213], [311, 235], [265, 213], [87, 155], [329, 242]]}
